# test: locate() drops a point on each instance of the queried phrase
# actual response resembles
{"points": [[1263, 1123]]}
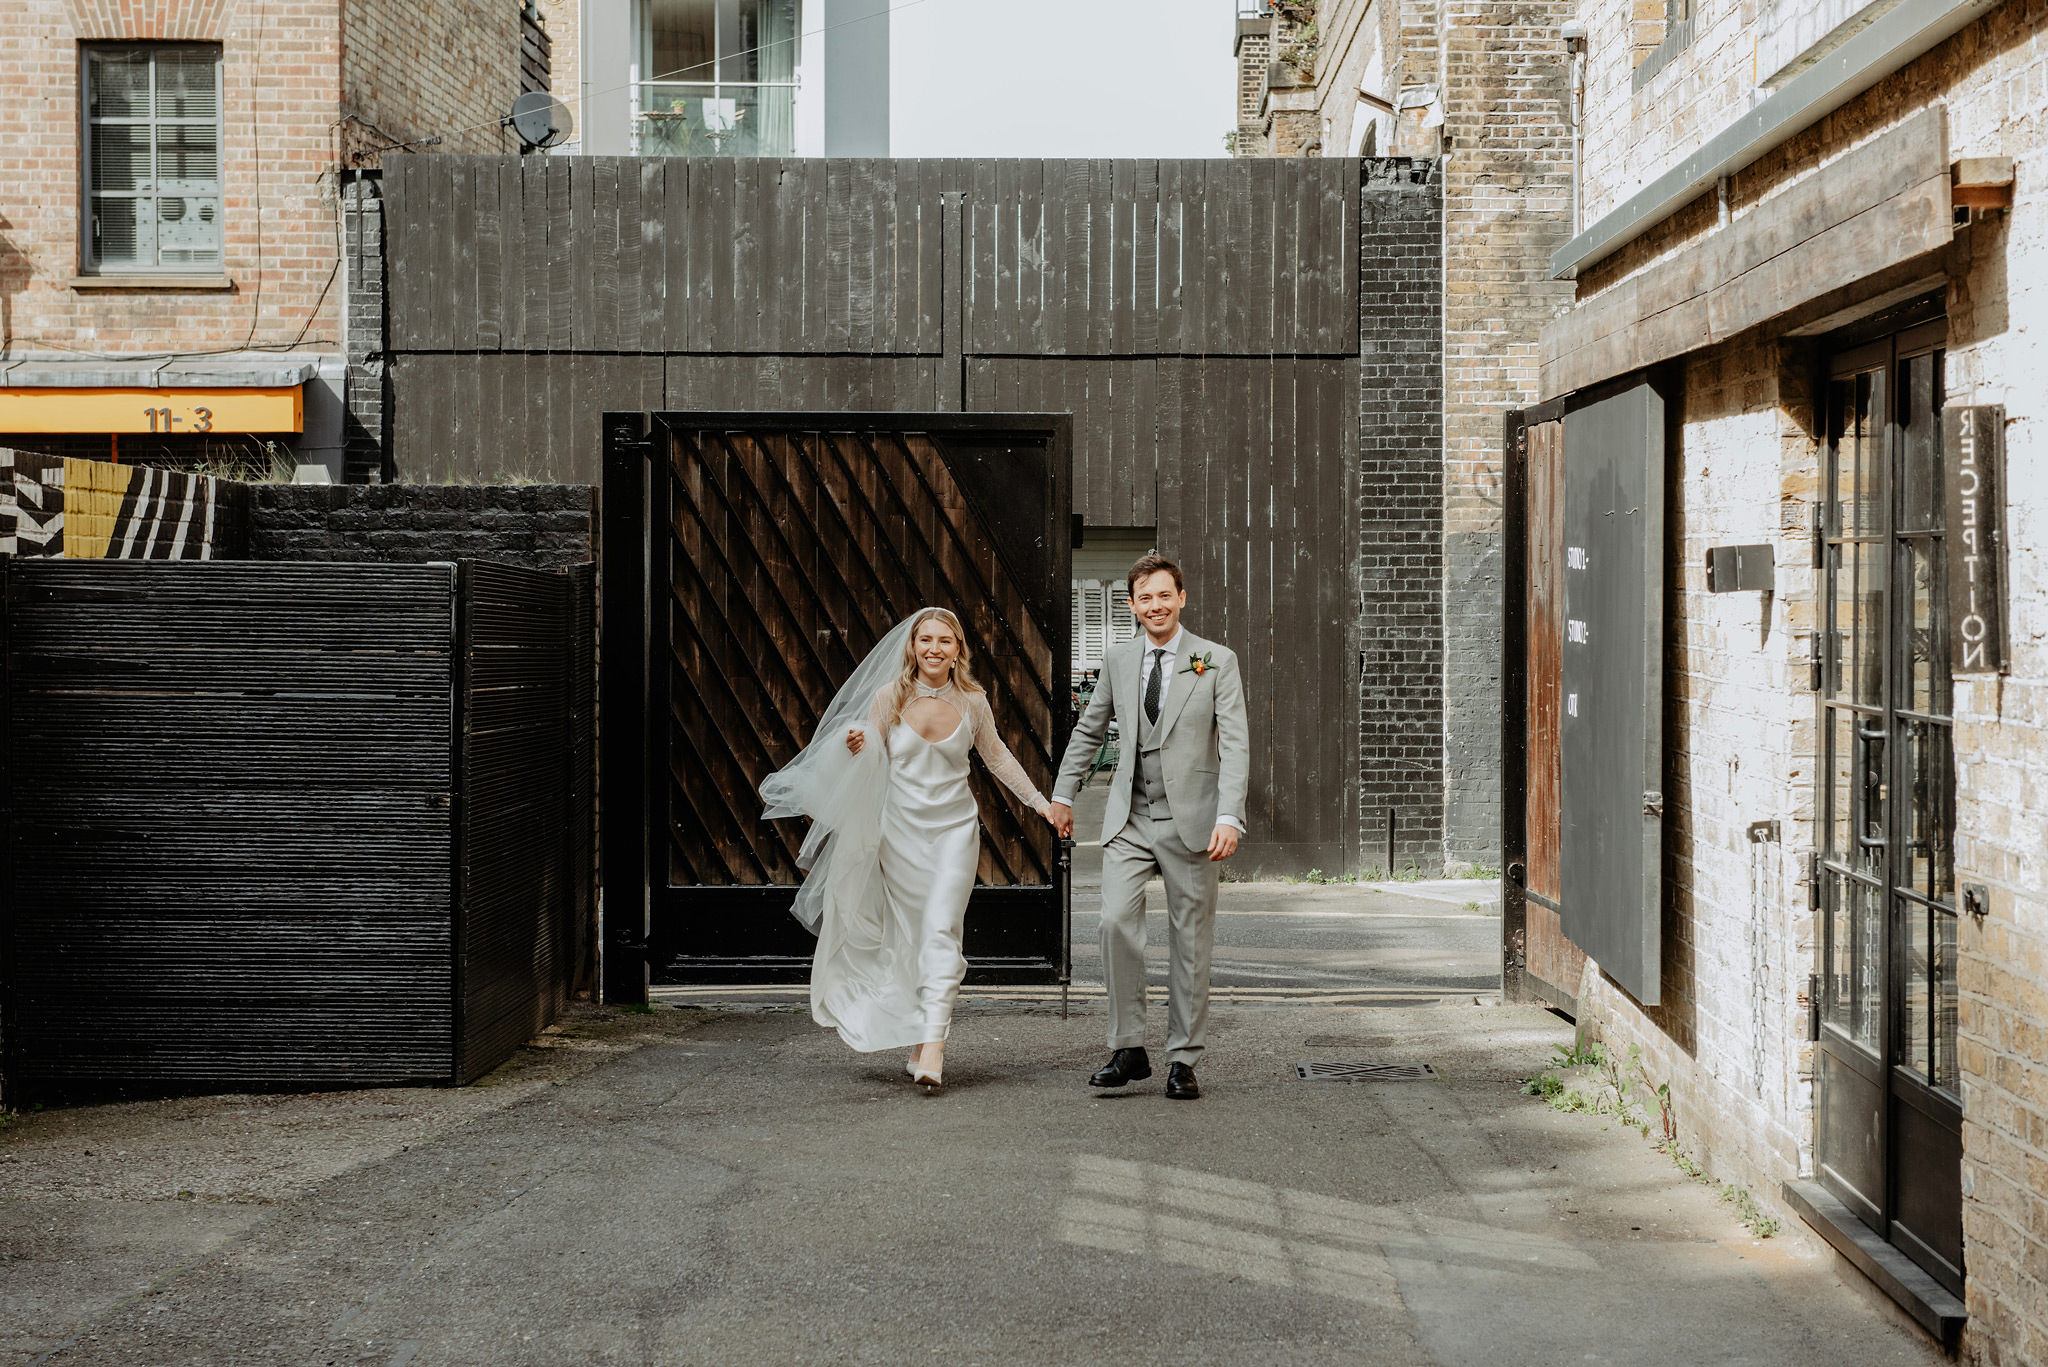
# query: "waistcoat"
{"points": [[1148, 775]]}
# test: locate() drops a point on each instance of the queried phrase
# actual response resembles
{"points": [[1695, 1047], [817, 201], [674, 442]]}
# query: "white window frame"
{"points": [[89, 262], [646, 84]]}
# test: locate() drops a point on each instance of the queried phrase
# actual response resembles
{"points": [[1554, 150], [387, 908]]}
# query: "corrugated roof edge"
{"points": [[199, 372]]}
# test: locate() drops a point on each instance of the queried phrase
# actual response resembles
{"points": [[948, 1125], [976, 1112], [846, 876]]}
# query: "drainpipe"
{"points": [[1574, 35]]}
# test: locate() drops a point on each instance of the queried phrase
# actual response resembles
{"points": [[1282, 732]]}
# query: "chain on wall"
{"points": [[1766, 888]]}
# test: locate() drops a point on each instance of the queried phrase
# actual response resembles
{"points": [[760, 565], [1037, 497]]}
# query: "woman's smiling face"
{"points": [[935, 648]]}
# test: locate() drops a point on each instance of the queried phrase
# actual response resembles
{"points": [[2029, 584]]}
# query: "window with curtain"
{"points": [[718, 78], [152, 157]]}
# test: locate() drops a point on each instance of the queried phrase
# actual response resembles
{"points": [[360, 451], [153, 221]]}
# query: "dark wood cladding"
{"points": [[229, 839], [285, 824], [1200, 320], [793, 552], [522, 857], [658, 255], [1122, 258], [812, 256], [1115, 403]]}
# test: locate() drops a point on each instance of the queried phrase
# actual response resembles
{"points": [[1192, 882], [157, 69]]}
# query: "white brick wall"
{"points": [[1745, 727]]}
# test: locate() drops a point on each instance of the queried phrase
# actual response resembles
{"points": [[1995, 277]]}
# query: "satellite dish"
{"points": [[539, 119]]}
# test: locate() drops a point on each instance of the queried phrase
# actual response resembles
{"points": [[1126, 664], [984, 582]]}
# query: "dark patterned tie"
{"points": [[1152, 687]]}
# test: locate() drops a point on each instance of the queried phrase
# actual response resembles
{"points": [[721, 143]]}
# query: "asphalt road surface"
{"points": [[1382, 943]]}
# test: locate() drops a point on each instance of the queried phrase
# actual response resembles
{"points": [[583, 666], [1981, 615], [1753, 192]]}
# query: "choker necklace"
{"points": [[925, 690]]}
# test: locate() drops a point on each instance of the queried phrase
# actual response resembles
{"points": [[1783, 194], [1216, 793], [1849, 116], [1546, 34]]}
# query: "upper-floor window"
{"points": [[152, 157], [717, 78]]}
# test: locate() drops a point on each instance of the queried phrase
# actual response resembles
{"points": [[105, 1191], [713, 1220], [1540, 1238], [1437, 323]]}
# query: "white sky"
{"points": [[1061, 78]]}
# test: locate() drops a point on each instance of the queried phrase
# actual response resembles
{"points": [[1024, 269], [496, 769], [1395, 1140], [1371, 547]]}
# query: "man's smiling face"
{"points": [[1156, 602]]}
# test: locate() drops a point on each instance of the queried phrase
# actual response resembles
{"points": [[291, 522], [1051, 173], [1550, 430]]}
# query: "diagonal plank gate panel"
{"points": [[779, 552]]}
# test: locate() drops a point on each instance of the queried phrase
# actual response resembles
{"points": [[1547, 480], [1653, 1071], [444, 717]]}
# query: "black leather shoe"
{"points": [[1125, 1066], [1180, 1082]]}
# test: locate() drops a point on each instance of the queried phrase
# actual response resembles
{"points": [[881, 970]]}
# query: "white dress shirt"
{"points": [[1169, 665]]}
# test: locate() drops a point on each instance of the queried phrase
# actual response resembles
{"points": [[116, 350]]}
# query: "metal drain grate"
{"points": [[1363, 1072]]}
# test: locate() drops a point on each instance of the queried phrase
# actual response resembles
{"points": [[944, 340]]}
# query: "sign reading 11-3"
{"points": [[1973, 447]]}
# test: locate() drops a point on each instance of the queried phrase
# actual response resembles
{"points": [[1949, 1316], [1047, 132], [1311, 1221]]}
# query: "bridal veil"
{"points": [[842, 795]]}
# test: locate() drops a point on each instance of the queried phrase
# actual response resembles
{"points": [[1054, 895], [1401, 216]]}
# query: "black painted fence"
{"points": [[296, 825]]}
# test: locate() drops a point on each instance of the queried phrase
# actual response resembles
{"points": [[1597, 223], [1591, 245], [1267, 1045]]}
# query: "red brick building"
{"points": [[173, 267]]}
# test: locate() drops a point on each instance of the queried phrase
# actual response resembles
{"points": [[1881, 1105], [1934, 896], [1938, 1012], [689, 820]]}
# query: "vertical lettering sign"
{"points": [[1973, 447]]}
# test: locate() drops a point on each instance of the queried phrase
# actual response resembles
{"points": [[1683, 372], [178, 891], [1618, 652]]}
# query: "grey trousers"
{"points": [[1145, 847]]}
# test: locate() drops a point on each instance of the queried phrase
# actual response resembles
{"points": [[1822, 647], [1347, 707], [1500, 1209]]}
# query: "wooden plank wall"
{"points": [[1200, 319], [809, 256]]}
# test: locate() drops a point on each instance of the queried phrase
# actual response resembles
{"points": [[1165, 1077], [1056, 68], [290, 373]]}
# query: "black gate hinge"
{"points": [[1820, 538], [1813, 881], [1813, 1008], [1814, 677]]}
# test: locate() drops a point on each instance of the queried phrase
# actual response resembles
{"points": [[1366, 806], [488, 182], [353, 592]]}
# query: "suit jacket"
{"points": [[1204, 752]]}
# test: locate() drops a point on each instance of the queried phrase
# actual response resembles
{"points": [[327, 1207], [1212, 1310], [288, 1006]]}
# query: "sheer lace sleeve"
{"points": [[997, 756], [878, 711]]}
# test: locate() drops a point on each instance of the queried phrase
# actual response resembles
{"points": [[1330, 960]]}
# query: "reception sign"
{"points": [[1973, 450]]}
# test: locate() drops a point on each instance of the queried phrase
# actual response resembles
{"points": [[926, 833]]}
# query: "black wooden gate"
{"points": [[751, 561]]}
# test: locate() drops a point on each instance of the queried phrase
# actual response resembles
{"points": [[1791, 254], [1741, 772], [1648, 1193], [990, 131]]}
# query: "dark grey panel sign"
{"points": [[1973, 441], [1611, 784]]}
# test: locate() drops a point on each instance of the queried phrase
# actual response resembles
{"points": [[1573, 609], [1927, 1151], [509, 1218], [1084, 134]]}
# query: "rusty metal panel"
{"points": [[1553, 961], [1611, 723]]}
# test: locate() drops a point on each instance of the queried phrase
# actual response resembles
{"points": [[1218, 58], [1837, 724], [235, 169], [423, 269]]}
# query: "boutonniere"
{"points": [[1199, 665]]}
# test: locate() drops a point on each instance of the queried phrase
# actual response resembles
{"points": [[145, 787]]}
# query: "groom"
{"points": [[1174, 809]]}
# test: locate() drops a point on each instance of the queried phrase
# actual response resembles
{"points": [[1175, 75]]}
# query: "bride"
{"points": [[894, 839]]}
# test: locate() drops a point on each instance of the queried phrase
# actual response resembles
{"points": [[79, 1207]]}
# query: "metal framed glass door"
{"points": [[1888, 1115]]}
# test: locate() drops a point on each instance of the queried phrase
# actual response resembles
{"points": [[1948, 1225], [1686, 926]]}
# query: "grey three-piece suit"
{"points": [[1172, 778]]}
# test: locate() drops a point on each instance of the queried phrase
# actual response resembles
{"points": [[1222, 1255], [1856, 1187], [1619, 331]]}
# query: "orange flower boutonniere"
{"points": [[1199, 665]]}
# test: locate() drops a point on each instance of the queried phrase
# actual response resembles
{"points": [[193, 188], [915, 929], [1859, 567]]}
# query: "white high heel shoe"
{"points": [[930, 1078]]}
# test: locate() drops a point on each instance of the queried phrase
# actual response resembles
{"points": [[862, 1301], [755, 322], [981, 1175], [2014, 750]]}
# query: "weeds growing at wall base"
{"points": [[1624, 1089]]}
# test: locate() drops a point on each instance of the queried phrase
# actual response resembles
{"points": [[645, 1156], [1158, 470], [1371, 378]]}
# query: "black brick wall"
{"points": [[363, 430], [1400, 513], [544, 526]]}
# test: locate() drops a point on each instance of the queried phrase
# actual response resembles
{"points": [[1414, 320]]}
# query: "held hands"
{"points": [[855, 739], [1061, 816], [1222, 843]]}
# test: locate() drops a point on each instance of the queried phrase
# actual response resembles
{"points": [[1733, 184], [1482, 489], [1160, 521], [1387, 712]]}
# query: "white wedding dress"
{"points": [[892, 984], [892, 850]]}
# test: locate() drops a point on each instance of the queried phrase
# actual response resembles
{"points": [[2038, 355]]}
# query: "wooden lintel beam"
{"points": [[1981, 183]]}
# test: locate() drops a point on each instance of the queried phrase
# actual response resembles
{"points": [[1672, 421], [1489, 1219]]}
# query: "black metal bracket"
{"points": [[1813, 881], [1814, 679]]}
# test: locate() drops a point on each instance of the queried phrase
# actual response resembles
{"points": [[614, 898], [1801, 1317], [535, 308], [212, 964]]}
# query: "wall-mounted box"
{"points": [[1731, 569]]}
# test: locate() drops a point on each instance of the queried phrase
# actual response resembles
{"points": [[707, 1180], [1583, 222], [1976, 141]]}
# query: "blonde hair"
{"points": [[898, 694]]}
